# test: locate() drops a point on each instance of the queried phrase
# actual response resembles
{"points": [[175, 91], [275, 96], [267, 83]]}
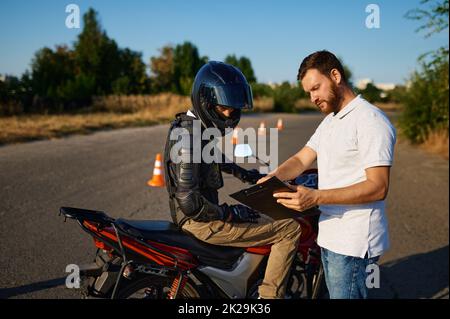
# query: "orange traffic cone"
{"points": [[234, 138], [280, 124], [157, 179], [262, 129]]}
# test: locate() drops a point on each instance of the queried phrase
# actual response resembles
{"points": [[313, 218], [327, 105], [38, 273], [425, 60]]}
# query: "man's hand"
{"points": [[265, 178], [294, 166], [302, 199]]}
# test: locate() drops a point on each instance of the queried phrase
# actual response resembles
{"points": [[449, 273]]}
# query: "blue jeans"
{"points": [[345, 276]]}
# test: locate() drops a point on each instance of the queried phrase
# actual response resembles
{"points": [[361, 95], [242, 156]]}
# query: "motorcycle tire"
{"points": [[320, 290], [154, 287]]}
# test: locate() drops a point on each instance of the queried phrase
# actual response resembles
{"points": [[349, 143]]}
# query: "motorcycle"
{"points": [[150, 259]]}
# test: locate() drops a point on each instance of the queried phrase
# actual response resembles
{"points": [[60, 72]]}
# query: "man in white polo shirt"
{"points": [[354, 148]]}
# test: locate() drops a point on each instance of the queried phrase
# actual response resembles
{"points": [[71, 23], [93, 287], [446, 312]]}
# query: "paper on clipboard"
{"points": [[260, 198]]}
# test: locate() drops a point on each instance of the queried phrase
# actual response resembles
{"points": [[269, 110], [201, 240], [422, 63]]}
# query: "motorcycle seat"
{"points": [[168, 233]]}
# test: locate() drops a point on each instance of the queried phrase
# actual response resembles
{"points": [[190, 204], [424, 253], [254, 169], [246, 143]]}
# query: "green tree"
{"points": [[247, 69], [233, 60], [436, 17], [57, 83], [15, 95], [261, 89], [435, 21], [348, 74], [347, 71], [284, 97], [397, 94], [50, 69], [186, 63], [97, 56], [67, 78], [132, 77], [162, 68], [426, 102], [244, 64], [76, 92], [371, 93]]}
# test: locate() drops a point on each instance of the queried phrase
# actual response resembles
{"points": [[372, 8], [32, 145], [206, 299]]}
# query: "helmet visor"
{"points": [[237, 96]]}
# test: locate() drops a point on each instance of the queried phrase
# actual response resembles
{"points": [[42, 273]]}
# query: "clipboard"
{"points": [[260, 198]]}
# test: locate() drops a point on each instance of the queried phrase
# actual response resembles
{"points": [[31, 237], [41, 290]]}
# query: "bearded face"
{"points": [[324, 93]]}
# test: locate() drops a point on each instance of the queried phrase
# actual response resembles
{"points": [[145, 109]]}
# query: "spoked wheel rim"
{"points": [[156, 288]]}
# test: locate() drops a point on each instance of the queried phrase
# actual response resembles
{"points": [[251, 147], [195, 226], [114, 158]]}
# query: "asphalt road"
{"points": [[108, 171]]}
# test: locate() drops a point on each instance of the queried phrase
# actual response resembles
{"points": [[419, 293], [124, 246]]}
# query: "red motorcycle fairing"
{"points": [[163, 255], [169, 255]]}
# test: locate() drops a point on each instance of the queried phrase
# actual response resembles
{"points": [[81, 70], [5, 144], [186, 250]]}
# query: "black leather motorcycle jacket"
{"points": [[192, 187]]}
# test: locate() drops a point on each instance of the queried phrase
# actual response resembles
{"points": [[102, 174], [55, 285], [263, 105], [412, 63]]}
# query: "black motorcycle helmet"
{"points": [[218, 83]]}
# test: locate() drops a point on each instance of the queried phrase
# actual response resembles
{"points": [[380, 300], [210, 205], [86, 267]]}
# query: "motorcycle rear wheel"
{"points": [[155, 287]]}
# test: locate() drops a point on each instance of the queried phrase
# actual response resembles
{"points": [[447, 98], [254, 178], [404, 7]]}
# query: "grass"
{"points": [[437, 143], [114, 111], [305, 105], [105, 113], [35, 127]]}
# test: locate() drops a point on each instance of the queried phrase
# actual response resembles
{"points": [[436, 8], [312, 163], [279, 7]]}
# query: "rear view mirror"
{"points": [[243, 150]]}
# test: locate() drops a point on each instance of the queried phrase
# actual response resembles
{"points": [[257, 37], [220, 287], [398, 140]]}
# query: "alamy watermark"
{"points": [[206, 146], [73, 19], [373, 277], [373, 19], [73, 279]]}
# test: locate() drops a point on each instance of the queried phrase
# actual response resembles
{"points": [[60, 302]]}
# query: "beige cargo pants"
{"points": [[282, 234]]}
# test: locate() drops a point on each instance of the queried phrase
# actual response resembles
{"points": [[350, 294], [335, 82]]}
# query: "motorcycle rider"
{"points": [[219, 92]]}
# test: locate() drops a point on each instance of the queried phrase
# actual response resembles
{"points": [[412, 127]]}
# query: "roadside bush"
{"points": [[284, 98], [426, 103]]}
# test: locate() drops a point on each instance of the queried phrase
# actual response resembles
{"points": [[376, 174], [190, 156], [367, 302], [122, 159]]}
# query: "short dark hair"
{"points": [[324, 61]]}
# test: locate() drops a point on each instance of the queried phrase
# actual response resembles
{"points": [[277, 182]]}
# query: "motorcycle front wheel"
{"points": [[319, 290]]}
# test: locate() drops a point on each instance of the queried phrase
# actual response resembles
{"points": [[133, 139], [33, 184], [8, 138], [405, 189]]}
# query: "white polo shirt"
{"points": [[358, 137]]}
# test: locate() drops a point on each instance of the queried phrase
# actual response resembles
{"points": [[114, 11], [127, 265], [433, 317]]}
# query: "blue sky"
{"points": [[275, 35]]}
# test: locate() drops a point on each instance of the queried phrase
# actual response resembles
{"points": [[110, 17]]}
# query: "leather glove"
{"points": [[242, 214]]}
